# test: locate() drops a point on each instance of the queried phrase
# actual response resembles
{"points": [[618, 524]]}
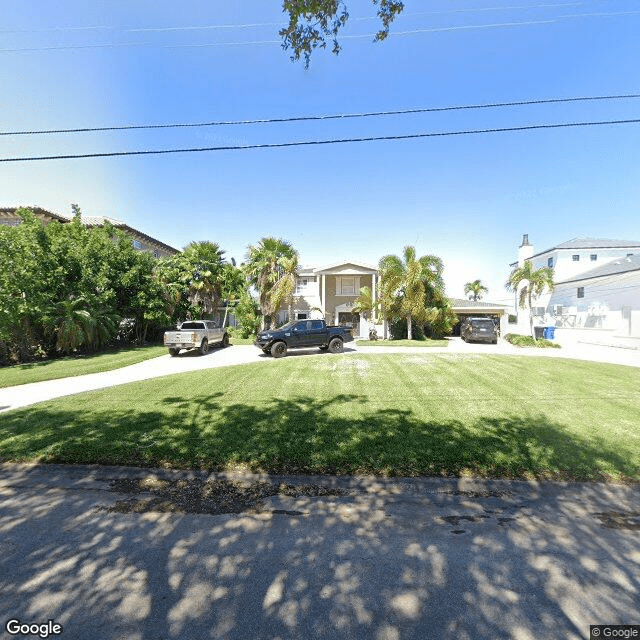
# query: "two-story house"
{"points": [[597, 284], [141, 241]]}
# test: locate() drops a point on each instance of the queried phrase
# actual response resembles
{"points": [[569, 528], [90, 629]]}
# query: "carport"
{"points": [[466, 308]]}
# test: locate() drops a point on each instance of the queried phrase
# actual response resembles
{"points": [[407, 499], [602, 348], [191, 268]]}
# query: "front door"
{"points": [[350, 321]]}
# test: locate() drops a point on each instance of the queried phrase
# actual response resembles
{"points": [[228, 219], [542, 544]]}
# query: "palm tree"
{"points": [[365, 303], [285, 286], [536, 282], [476, 289], [406, 285], [265, 269]]}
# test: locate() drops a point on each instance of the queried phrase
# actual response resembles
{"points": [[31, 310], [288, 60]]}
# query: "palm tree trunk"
{"points": [[409, 335]]}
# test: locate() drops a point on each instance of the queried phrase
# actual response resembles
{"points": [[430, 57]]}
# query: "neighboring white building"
{"points": [[597, 285]]}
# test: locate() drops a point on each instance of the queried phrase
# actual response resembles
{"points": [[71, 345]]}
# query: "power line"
{"points": [[277, 145], [206, 27], [339, 116], [497, 25]]}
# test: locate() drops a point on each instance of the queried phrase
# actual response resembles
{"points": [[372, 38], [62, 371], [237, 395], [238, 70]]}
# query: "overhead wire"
{"points": [[276, 145], [497, 25], [338, 116]]}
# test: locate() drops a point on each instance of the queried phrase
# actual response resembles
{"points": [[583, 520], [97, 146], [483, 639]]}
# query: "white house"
{"points": [[597, 285]]}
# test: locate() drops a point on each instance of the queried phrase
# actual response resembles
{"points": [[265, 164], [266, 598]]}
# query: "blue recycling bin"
{"points": [[549, 333]]}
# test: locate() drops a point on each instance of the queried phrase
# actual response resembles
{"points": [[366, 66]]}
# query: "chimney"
{"points": [[525, 250]]}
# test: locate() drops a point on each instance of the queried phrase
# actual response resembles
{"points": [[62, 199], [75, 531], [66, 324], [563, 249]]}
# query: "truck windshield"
{"points": [[288, 325], [192, 325]]}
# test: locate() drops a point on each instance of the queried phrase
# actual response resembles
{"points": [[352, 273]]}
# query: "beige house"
{"points": [[329, 292], [141, 241]]}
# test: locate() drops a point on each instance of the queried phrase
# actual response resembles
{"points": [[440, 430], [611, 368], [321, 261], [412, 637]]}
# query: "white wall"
{"points": [[564, 267], [603, 302]]}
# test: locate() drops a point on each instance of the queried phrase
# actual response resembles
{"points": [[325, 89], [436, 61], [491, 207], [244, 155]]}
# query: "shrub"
{"points": [[528, 341]]}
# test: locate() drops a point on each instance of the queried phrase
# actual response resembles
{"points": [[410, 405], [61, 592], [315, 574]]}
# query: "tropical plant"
{"points": [[285, 286], [407, 284], [535, 282], [475, 290], [364, 303], [269, 267]]}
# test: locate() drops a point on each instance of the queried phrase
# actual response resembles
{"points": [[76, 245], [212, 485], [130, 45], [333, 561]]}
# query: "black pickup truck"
{"points": [[300, 334]]}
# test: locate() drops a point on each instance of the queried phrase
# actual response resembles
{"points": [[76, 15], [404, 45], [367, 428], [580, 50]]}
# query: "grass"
{"points": [[403, 343], [386, 414], [76, 366], [238, 340], [528, 341]]}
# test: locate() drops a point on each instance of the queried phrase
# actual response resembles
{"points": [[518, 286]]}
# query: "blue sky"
{"points": [[467, 199]]}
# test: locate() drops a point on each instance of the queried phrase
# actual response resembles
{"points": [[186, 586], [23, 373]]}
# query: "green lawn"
{"points": [[393, 414], [78, 366], [403, 343]]}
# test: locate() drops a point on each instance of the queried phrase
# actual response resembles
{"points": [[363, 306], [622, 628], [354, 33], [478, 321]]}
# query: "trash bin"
{"points": [[549, 333], [538, 332]]}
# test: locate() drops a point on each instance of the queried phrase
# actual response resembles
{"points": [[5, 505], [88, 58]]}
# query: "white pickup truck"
{"points": [[195, 334]]}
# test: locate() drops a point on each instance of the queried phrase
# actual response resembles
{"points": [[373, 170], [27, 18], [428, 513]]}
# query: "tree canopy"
{"points": [[313, 22], [475, 290]]}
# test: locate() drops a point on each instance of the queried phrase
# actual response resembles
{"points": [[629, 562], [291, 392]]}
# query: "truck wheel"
{"points": [[173, 351], [225, 341], [204, 347], [279, 350], [335, 346]]}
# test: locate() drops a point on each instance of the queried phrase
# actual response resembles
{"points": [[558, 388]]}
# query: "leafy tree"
{"points": [[475, 290], [406, 284], [313, 22], [285, 286], [535, 282], [265, 269], [247, 314]]}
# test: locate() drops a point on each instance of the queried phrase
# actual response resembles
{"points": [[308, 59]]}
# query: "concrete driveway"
{"points": [[383, 560], [28, 394]]}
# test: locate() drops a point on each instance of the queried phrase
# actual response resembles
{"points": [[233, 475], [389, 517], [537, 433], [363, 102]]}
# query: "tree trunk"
{"points": [[409, 335]]}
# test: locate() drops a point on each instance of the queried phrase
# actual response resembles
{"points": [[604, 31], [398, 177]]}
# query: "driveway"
{"points": [[370, 559], [28, 394]]}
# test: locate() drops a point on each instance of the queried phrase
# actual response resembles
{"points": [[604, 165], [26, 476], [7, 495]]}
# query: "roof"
{"points": [[37, 211], [363, 265], [98, 221], [462, 304], [617, 266], [592, 243]]}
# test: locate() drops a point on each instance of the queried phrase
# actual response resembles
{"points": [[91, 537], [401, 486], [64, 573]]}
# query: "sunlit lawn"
{"points": [[76, 366], [396, 414], [403, 343]]}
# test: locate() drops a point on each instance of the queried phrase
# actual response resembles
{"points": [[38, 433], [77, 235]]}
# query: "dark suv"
{"points": [[480, 329]]}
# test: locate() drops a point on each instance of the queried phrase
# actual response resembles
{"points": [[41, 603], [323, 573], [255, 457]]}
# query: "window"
{"points": [[136, 244], [347, 285], [629, 255], [575, 257], [550, 262], [156, 254], [316, 325], [580, 292], [594, 257], [301, 284], [301, 316]]}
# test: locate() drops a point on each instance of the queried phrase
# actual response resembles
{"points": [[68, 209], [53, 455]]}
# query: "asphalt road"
{"points": [[390, 560]]}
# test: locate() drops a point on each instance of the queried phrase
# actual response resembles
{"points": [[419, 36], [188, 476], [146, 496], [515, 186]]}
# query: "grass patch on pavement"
{"points": [[76, 366], [403, 343], [386, 414]]}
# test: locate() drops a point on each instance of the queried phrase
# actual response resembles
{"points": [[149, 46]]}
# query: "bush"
{"points": [[398, 330], [528, 341]]}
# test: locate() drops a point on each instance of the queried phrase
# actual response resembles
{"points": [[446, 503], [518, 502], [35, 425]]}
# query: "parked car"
{"points": [[479, 329], [303, 333], [195, 334]]}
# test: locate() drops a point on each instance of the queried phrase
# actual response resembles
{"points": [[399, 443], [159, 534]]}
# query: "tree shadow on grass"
{"points": [[304, 435]]}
